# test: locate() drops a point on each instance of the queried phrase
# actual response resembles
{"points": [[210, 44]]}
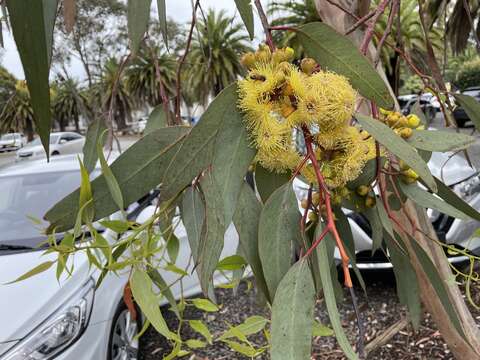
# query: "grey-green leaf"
{"points": [[33, 34], [244, 7], [471, 107], [292, 315], [430, 201], [279, 228], [329, 294], [138, 13], [90, 154], [267, 182], [161, 284], [162, 19], [439, 140], [110, 179], [335, 52], [399, 147], [156, 120], [193, 216], [377, 227], [141, 286], [246, 220], [213, 231]]}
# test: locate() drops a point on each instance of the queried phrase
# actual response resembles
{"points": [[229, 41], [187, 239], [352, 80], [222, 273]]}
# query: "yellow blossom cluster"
{"points": [[278, 97]]}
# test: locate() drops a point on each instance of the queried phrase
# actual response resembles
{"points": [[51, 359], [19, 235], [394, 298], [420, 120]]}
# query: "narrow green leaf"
{"points": [[439, 140], [438, 284], [193, 216], [195, 344], [173, 247], [406, 279], [138, 13], [335, 52], [430, 201], [250, 326], [454, 200], [35, 271], [267, 182], [213, 231], [156, 120], [246, 219], [205, 305], [116, 225], [233, 262], [104, 246], [141, 286], [399, 147], [161, 284], [384, 219], [86, 197], [243, 349], [92, 138], [368, 174], [471, 107], [292, 314], [377, 228], [34, 43], [202, 329], [244, 7], [176, 269], [110, 179], [329, 294], [279, 227], [162, 19]]}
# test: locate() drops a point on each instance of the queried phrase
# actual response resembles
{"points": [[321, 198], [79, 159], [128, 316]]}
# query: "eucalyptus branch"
{"points": [[265, 24]]}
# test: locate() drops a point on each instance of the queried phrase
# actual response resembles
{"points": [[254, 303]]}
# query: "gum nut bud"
{"points": [[304, 203], [365, 134], [313, 217], [407, 180], [397, 131], [385, 111], [308, 65], [363, 190], [289, 53], [336, 199], [403, 165], [413, 121], [402, 121], [411, 174], [315, 198], [421, 127], [370, 202], [284, 67], [344, 192], [406, 133], [248, 60]]}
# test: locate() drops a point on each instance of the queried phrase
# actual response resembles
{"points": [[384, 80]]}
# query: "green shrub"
{"points": [[469, 74]]}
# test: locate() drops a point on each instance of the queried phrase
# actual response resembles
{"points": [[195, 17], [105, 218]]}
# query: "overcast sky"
{"points": [[179, 10]]}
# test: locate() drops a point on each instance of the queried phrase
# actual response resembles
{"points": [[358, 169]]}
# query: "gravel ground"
{"points": [[381, 311]]}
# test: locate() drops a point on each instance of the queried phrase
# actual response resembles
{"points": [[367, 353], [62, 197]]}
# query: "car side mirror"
{"points": [[146, 214], [63, 141]]}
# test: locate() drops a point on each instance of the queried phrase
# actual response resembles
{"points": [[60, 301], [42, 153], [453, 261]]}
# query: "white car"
{"points": [[61, 143], [67, 320], [12, 142]]}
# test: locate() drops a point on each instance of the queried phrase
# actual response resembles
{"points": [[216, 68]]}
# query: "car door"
{"points": [[71, 144]]}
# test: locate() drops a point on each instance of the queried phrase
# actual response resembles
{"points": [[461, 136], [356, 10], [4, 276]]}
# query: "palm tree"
{"points": [[214, 57], [292, 13], [110, 90], [69, 103], [17, 111], [141, 77]]}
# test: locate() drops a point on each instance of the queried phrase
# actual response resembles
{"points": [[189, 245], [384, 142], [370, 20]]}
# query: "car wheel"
{"points": [[122, 344], [55, 153], [460, 123]]}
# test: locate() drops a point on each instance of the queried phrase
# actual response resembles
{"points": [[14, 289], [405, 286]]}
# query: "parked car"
{"points": [[70, 319], [427, 104], [61, 143], [459, 113], [458, 175], [12, 142]]}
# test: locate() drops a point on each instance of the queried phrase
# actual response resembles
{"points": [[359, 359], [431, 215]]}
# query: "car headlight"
{"points": [[468, 187], [58, 331]]}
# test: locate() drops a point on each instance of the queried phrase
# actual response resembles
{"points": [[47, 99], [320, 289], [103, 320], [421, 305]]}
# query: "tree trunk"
{"points": [[462, 348], [29, 130]]}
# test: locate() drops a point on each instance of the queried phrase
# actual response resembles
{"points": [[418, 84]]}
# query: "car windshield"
{"points": [[28, 197], [8, 137], [474, 93], [37, 141]]}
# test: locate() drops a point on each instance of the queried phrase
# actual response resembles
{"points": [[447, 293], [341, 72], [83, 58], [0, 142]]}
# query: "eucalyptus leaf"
{"points": [[162, 19], [278, 229], [471, 107], [292, 315], [399, 147], [92, 138], [193, 216], [376, 226], [202, 329], [441, 141], [156, 120], [35, 271], [244, 7], [430, 201], [138, 14], [335, 52], [161, 284], [267, 182]]}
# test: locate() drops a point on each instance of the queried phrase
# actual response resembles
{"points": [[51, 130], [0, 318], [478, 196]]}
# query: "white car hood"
{"points": [[450, 170], [8, 142], [32, 149], [22, 302]]}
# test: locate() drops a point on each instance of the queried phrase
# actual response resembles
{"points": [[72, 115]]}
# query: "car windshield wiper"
{"points": [[7, 247]]}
